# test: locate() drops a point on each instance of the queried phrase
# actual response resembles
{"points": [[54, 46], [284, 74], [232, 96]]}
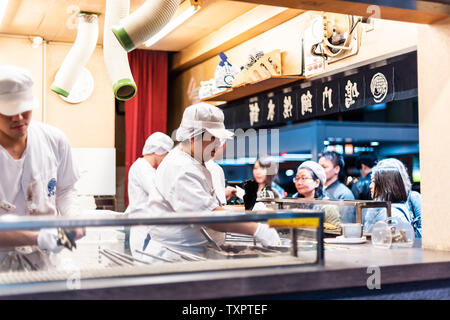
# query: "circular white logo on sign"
{"points": [[379, 87]]}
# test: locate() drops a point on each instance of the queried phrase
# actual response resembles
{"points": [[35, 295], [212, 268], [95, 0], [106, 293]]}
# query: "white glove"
{"points": [[47, 240], [259, 206], [267, 236]]}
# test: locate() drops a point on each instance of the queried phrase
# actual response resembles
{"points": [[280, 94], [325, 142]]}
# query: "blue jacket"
{"points": [[414, 203]]}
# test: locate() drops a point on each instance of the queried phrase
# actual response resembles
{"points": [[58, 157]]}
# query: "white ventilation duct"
{"points": [[79, 55], [116, 59], [145, 22]]}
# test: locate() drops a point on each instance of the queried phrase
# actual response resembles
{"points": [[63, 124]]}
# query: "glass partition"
{"points": [[348, 211], [103, 253]]}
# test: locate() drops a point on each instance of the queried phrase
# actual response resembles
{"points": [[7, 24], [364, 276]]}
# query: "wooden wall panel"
{"points": [[434, 117], [424, 13], [89, 124], [242, 29]]}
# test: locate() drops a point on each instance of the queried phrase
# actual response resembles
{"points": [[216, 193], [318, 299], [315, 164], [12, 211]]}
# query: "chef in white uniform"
{"points": [[183, 184], [140, 180], [224, 193], [37, 172]]}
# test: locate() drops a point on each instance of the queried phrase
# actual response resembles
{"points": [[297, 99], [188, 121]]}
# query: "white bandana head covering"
{"points": [[202, 117], [158, 143], [16, 91]]}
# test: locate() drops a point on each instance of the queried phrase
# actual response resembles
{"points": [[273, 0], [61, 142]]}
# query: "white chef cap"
{"points": [[318, 170], [16, 90], [202, 117], [158, 143]]}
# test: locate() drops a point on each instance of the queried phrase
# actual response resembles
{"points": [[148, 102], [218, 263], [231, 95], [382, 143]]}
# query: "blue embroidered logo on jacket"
{"points": [[51, 187]]}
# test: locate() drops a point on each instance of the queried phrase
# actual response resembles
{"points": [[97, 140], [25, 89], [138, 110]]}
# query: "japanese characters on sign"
{"points": [[338, 93], [352, 92], [328, 97], [269, 109], [254, 111], [288, 104], [307, 104], [271, 106]]}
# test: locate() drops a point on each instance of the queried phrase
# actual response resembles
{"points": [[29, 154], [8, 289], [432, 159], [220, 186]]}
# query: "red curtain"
{"points": [[146, 112]]}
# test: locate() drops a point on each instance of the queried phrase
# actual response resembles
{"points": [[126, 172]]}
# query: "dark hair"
{"points": [[337, 160], [389, 185], [367, 158], [318, 192], [334, 157], [267, 163]]}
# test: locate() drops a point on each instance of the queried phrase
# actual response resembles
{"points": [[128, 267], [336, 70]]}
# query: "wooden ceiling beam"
{"points": [[420, 11], [241, 29]]}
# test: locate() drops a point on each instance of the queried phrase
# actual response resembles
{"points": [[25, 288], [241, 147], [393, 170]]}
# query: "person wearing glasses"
{"points": [[309, 182]]}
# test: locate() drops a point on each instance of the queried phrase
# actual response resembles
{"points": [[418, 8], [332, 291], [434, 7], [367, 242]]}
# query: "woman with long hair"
{"points": [[414, 200], [387, 185], [264, 171]]}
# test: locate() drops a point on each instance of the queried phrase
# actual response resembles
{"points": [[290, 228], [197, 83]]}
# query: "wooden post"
{"points": [[434, 136]]}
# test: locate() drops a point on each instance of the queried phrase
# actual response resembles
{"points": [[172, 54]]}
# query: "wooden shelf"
{"points": [[253, 89]]}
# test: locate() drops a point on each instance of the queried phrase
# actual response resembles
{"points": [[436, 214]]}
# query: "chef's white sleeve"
{"points": [[133, 186], [190, 193], [67, 201], [67, 172]]}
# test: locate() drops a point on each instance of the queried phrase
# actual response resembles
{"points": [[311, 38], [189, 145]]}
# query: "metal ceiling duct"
{"points": [[79, 55], [145, 22], [116, 59]]}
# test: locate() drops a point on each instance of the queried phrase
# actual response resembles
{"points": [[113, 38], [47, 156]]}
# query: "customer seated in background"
{"points": [[264, 171], [364, 163], [387, 185], [414, 201], [333, 164], [309, 183]]}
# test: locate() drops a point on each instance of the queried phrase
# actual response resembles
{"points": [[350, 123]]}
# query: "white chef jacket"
{"points": [[218, 180], [45, 168], [182, 185], [140, 181]]}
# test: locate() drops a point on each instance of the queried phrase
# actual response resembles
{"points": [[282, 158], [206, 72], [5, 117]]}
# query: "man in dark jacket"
{"points": [[364, 163]]}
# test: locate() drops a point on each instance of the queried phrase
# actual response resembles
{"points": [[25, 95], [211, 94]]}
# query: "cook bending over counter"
{"points": [[183, 184]]}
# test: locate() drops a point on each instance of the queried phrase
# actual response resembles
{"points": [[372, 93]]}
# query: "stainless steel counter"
{"points": [[346, 266]]}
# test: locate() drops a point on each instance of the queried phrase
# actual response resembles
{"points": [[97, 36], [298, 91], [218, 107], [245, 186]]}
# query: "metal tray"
{"points": [[242, 251]]}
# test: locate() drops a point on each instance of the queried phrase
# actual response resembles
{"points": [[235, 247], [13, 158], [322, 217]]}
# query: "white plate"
{"points": [[343, 240]]}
